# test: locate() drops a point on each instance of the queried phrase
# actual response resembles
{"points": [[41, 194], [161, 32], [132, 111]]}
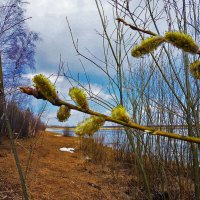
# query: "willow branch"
{"points": [[142, 30], [136, 28], [58, 102]]}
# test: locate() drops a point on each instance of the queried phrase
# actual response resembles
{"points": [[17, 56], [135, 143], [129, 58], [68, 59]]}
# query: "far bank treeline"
{"points": [[23, 122]]}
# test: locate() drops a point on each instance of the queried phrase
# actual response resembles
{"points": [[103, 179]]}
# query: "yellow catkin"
{"points": [[195, 69], [45, 87], [120, 113], [79, 97], [89, 126], [63, 113], [148, 45], [182, 41]]}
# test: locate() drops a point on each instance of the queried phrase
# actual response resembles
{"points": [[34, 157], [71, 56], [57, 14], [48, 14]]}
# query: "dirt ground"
{"points": [[57, 175]]}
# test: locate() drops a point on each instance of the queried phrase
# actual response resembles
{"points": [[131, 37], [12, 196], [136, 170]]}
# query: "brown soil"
{"points": [[58, 175]]}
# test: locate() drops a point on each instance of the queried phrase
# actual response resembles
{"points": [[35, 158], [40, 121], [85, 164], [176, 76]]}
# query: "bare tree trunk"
{"points": [[10, 133]]}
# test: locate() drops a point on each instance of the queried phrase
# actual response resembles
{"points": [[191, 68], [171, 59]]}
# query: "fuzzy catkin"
{"points": [[79, 97], [89, 126], [182, 41], [45, 87], [148, 45], [195, 69], [120, 113], [63, 113]]}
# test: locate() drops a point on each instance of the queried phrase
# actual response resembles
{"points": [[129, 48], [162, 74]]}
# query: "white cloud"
{"points": [[99, 91], [49, 19]]}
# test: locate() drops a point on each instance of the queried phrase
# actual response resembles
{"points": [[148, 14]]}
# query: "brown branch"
{"points": [[149, 130], [136, 28], [142, 30], [32, 91]]}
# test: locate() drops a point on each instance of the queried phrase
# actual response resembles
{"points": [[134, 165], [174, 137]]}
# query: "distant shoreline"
{"points": [[160, 127], [72, 128]]}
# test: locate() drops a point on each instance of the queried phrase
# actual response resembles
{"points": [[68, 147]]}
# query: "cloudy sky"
{"points": [[49, 20]]}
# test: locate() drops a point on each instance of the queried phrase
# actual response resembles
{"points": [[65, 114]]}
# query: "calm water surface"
{"points": [[108, 137]]}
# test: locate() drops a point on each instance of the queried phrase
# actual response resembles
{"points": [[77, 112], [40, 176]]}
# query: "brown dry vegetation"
{"points": [[59, 175], [53, 174]]}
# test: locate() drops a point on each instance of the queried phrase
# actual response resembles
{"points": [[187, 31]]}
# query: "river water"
{"points": [[107, 137]]}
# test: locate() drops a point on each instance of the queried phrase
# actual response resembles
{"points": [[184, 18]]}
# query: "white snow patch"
{"points": [[70, 150]]}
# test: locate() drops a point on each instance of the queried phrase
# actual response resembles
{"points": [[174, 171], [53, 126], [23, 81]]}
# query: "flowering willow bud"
{"points": [[79, 97], [195, 69], [182, 41], [120, 113], [147, 46], [63, 113], [89, 126], [45, 87]]}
